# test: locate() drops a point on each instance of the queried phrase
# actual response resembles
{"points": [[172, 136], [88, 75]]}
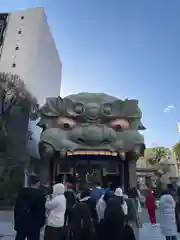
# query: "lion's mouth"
{"points": [[94, 153]]}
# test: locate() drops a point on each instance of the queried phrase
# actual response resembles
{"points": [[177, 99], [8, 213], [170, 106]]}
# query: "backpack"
{"points": [[81, 215]]}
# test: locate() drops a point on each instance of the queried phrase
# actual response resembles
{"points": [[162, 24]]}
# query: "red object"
{"points": [[69, 185], [151, 206]]}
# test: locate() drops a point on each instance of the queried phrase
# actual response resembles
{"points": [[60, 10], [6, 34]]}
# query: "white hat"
{"points": [[58, 189], [118, 192]]}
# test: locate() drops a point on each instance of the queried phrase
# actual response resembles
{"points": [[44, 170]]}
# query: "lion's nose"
{"points": [[92, 135]]}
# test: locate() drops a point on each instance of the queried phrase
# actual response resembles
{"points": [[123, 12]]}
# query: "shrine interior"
{"points": [[88, 170]]}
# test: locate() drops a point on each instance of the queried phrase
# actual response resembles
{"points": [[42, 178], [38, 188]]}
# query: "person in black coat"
{"points": [[84, 218], [86, 198], [71, 200], [114, 224], [47, 190], [29, 211]]}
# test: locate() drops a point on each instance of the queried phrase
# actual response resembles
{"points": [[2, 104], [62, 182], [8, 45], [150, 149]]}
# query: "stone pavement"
{"points": [[146, 233], [151, 233], [6, 225], [6, 228]]}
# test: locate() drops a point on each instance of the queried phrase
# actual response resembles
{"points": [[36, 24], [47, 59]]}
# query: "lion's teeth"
{"points": [[96, 153]]}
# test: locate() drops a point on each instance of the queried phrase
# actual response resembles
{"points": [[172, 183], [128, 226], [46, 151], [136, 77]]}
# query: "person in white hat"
{"points": [[115, 225], [120, 196]]}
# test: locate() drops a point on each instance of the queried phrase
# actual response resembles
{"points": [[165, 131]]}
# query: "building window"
{"points": [[17, 48], [19, 31], [14, 65], [22, 17]]}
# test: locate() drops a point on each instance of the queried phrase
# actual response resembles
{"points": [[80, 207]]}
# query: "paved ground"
{"points": [[146, 233], [150, 233]]}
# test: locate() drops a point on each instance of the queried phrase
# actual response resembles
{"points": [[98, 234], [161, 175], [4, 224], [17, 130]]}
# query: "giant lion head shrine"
{"points": [[84, 133]]}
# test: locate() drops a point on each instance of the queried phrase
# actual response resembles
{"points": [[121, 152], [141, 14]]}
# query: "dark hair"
{"points": [[33, 179], [59, 179], [170, 186], [98, 184], [106, 196], [112, 186], [132, 193], [166, 191], [47, 190], [85, 193]]}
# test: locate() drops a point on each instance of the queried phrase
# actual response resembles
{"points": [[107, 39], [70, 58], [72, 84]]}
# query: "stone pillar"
{"points": [[45, 172], [132, 173], [126, 175], [122, 174], [25, 178]]}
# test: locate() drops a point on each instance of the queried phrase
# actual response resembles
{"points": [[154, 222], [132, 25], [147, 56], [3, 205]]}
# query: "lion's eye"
{"points": [[120, 124], [65, 123]]}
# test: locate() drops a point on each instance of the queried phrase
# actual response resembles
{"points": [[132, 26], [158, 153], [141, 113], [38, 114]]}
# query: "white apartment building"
{"points": [[27, 48]]}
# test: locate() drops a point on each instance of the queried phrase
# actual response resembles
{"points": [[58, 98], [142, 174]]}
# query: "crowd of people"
{"points": [[95, 213]]}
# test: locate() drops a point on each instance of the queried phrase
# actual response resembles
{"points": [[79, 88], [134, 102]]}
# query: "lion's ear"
{"points": [[50, 108]]}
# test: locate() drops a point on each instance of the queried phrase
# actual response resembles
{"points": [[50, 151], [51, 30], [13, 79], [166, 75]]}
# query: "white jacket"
{"points": [[56, 207], [167, 219]]}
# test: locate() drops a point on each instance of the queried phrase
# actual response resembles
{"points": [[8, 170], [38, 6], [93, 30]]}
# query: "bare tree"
{"points": [[17, 105], [13, 91], [154, 155]]}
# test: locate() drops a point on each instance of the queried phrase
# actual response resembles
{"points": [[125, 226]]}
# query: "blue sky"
{"points": [[122, 47]]}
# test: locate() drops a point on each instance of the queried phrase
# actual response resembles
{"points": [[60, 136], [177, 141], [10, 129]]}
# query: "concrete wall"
{"points": [[36, 60]]}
